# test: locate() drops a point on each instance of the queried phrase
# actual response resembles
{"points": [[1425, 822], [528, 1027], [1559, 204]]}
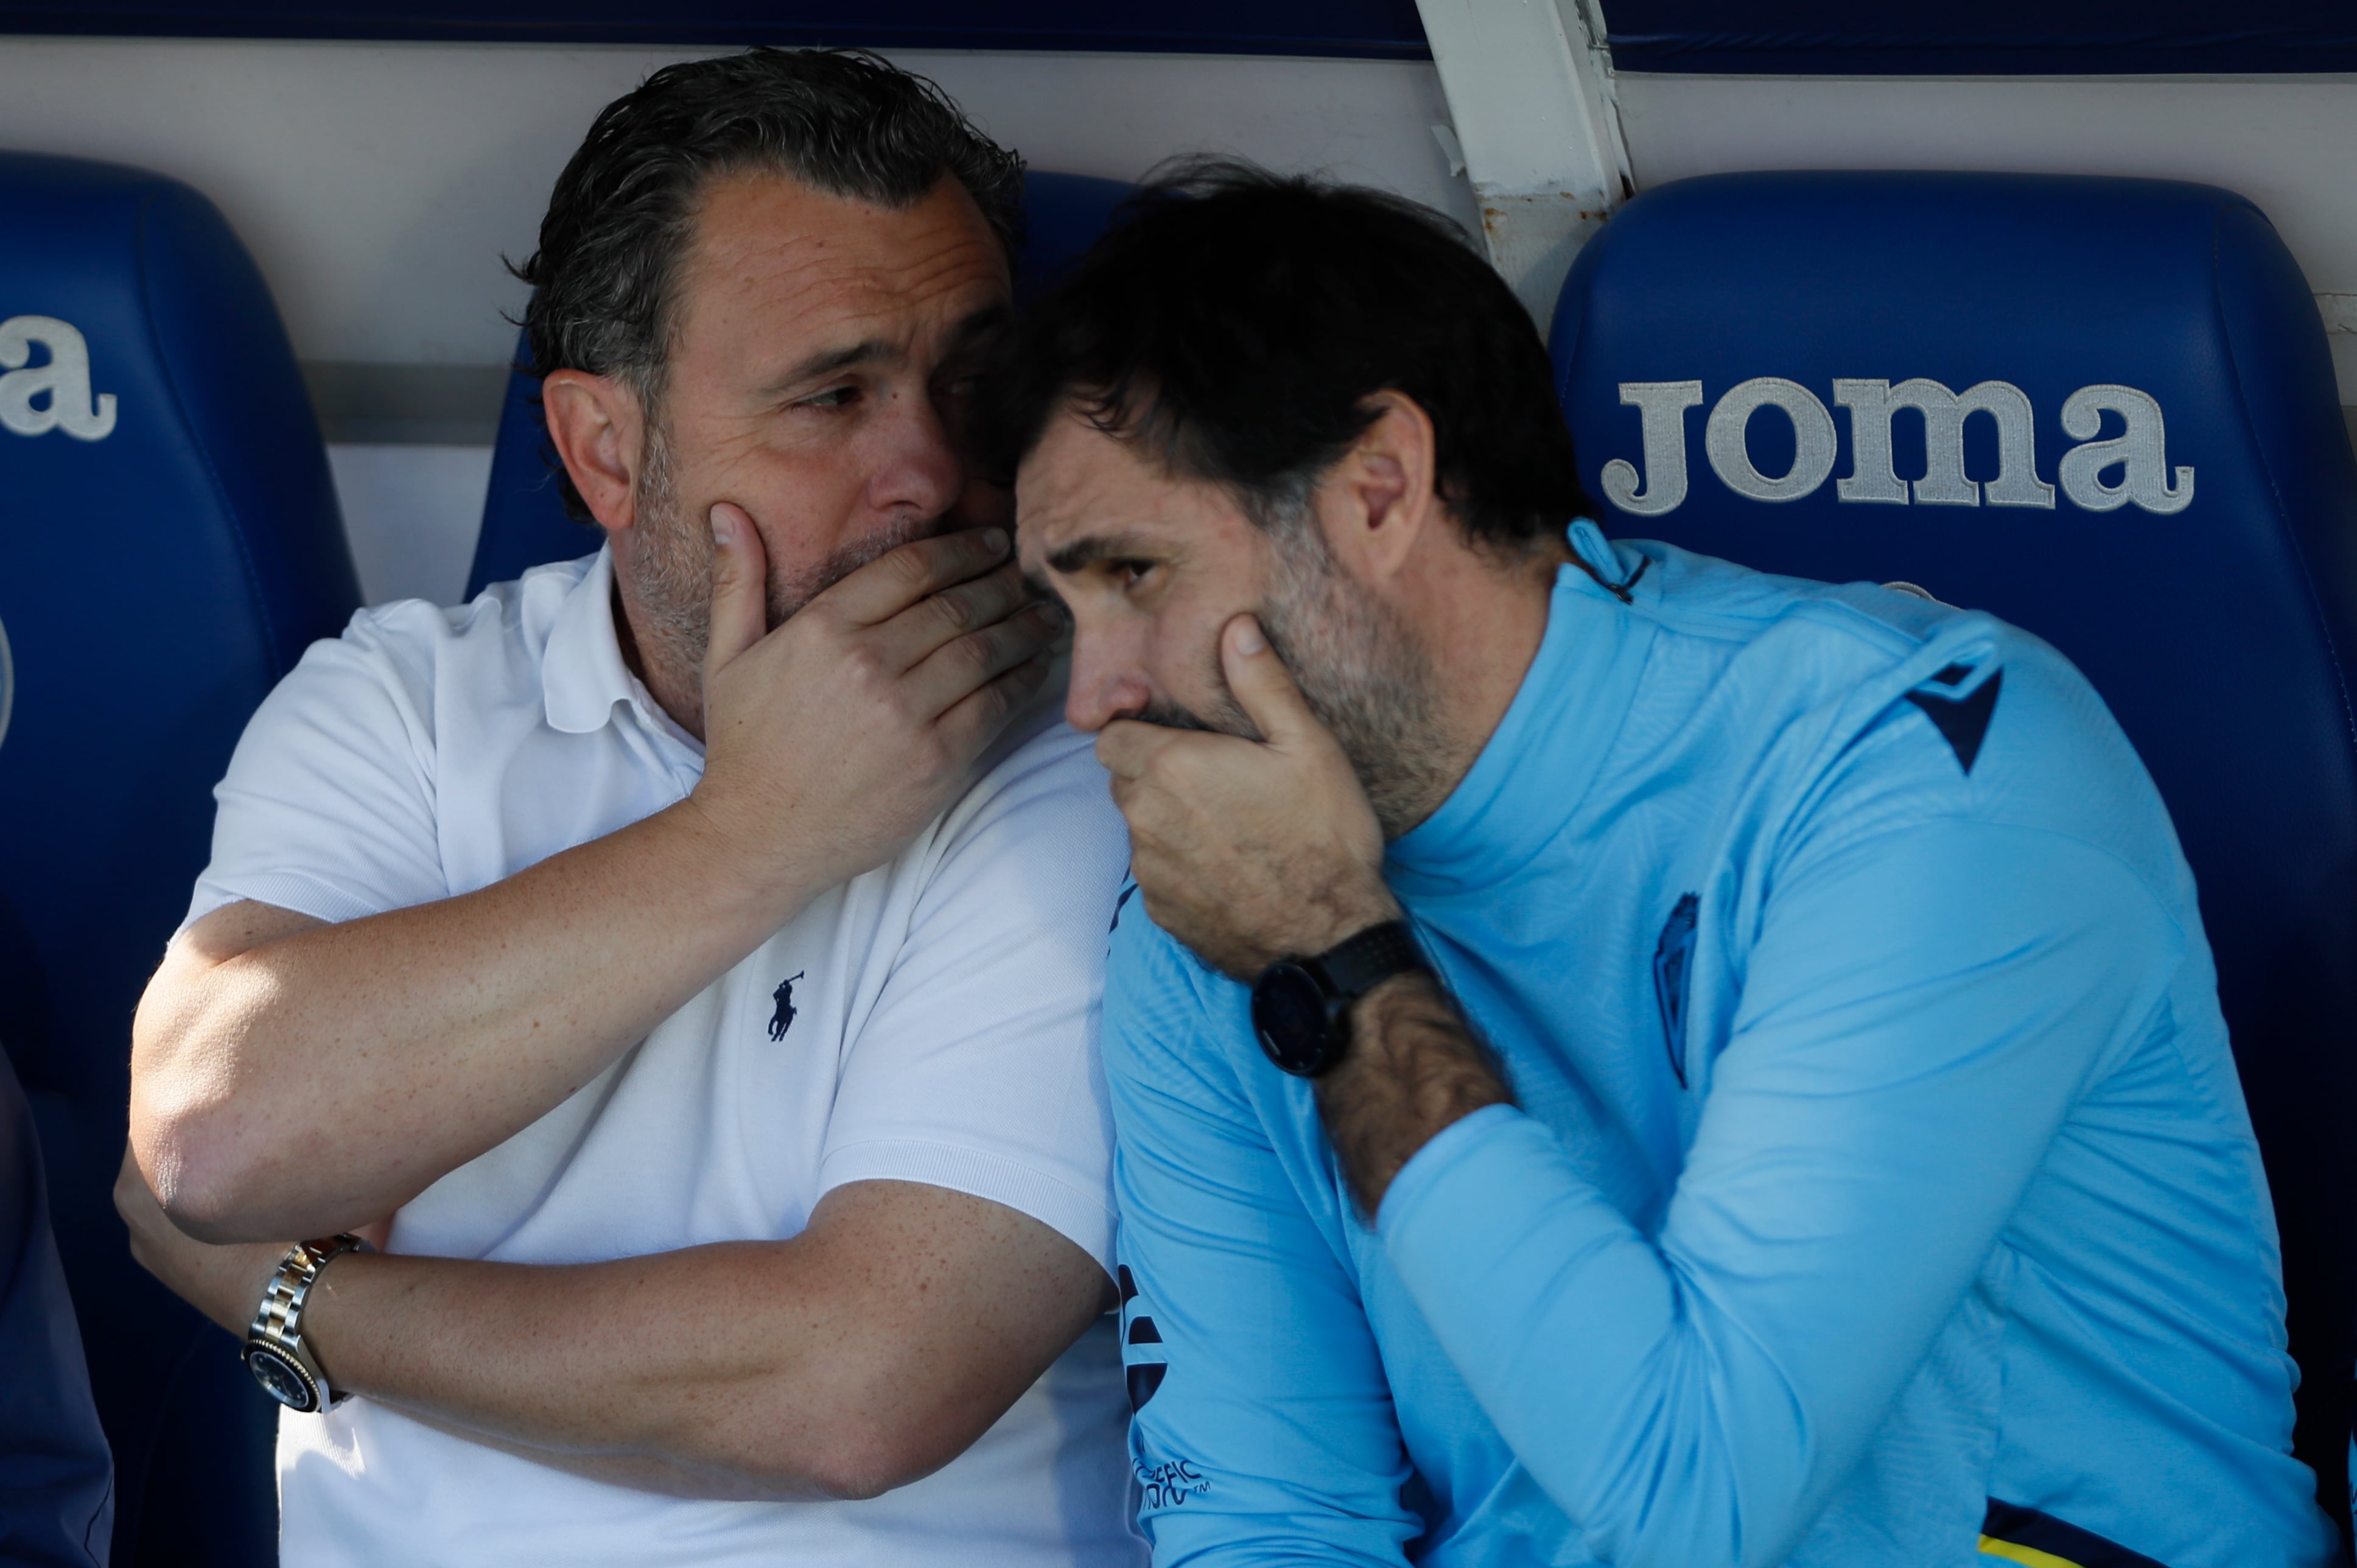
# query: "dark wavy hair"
{"points": [[841, 121], [1235, 322]]}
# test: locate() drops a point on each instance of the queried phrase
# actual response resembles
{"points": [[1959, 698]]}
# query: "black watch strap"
{"points": [[1301, 1006], [1358, 964]]}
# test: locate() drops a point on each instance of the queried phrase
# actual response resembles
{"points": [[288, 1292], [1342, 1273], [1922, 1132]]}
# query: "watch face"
{"points": [[281, 1379], [1288, 1013]]}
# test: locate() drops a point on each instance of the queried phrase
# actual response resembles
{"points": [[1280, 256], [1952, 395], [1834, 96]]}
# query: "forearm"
{"points": [[868, 1351], [611, 1369], [456, 1023], [1414, 1068], [1690, 1441]]}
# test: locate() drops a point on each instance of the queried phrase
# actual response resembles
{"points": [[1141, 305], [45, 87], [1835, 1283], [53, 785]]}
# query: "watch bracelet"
{"points": [[278, 1319]]}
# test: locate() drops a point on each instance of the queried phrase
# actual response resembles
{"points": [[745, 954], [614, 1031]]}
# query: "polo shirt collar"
{"points": [[582, 672]]}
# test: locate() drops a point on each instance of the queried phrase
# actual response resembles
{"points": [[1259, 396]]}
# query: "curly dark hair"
{"points": [[842, 121], [1235, 323]]}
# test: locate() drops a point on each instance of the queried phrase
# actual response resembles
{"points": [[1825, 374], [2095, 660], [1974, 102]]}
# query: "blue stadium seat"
{"points": [[524, 523], [172, 543], [2143, 462]]}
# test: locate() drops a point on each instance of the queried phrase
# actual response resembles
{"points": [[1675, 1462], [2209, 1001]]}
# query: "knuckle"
{"points": [[970, 654], [997, 701], [955, 610], [910, 565], [977, 651]]}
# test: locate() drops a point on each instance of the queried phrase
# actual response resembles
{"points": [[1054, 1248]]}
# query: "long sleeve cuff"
{"points": [[1431, 1165], [1541, 1292]]}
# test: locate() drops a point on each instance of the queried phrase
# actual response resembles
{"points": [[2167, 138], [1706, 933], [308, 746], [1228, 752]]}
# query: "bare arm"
{"points": [[458, 1023], [1414, 1068], [293, 1077], [865, 1353]]}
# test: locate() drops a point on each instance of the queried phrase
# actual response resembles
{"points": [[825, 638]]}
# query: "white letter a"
{"points": [[66, 377]]}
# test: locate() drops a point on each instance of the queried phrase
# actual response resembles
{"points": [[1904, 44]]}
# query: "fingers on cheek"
{"points": [[1161, 820], [1114, 756]]}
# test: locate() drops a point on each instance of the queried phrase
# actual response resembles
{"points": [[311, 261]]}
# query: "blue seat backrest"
{"points": [[524, 523], [170, 544], [2197, 568]]}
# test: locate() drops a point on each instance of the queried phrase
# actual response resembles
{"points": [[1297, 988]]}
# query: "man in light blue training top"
{"points": [[1623, 1058]]}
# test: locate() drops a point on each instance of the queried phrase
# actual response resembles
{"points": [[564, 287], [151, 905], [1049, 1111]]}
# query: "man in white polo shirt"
{"points": [[684, 962]]}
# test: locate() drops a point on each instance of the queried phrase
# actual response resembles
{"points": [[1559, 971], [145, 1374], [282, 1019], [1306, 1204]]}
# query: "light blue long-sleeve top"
{"points": [[1880, 1175]]}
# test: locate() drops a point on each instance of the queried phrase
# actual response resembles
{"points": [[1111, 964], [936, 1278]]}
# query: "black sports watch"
{"points": [[1301, 1006]]}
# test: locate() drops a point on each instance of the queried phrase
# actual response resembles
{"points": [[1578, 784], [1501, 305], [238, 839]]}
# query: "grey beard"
{"points": [[1365, 674], [671, 568], [672, 575], [1361, 671]]}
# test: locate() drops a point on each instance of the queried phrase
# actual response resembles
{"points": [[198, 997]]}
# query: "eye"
{"points": [[1132, 572], [833, 397]]}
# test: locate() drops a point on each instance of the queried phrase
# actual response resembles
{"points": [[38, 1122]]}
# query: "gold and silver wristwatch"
{"points": [[275, 1351]]}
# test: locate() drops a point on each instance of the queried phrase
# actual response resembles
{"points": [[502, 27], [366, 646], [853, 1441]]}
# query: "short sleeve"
{"points": [[977, 1071], [327, 808]]}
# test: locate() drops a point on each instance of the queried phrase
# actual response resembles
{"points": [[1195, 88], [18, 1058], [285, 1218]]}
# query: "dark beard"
{"points": [[1359, 669]]}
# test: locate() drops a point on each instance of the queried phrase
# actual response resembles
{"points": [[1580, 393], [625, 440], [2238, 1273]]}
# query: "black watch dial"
{"points": [[281, 1379], [1293, 1017]]}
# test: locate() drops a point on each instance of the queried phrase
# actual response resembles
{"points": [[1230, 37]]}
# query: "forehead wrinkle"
{"points": [[868, 259], [786, 271]]}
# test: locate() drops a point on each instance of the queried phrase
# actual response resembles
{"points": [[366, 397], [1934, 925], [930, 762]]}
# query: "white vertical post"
{"points": [[1531, 89]]}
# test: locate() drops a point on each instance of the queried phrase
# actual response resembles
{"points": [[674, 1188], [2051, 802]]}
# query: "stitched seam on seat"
{"points": [[279, 662], [2318, 613]]}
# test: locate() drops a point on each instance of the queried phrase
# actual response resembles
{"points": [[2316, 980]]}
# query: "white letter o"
{"points": [[1813, 441]]}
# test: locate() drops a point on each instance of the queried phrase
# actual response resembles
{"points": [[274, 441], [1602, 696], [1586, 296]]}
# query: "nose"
{"points": [[1104, 686], [919, 468]]}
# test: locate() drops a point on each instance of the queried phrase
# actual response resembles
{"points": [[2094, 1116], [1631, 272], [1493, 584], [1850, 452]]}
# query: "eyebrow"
{"points": [[1088, 552], [828, 362], [963, 338], [1081, 553], [978, 327]]}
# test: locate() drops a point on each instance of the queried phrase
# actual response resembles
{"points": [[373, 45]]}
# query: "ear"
{"points": [[1377, 504], [595, 423]]}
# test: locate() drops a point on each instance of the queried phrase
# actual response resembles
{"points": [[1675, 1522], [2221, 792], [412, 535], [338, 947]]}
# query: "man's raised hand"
{"points": [[1248, 850], [833, 740]]}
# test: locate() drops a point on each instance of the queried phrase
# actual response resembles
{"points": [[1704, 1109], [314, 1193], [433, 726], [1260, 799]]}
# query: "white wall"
{"points": [[2284, 141], [412, 514], [378, 184]]}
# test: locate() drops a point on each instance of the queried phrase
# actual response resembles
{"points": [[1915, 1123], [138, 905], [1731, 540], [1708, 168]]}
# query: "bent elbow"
{"points": [[848, 1481], [866, 1458], [857, 1449], [206, 1180]]}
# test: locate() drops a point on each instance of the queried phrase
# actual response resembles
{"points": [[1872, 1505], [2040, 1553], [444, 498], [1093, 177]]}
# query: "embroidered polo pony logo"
{"points": [[783, 1018]]}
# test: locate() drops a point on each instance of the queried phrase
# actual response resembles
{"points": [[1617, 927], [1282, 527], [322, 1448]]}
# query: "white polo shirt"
{"points": [[940, 1027]]}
